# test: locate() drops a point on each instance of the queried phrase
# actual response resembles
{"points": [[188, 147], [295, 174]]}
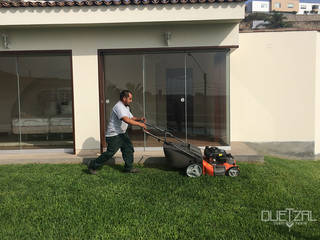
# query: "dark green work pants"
{"points": [[115, 143]]}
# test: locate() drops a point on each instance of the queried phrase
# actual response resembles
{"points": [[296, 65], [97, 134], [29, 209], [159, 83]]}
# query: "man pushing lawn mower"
{"points": [[117, 137]]}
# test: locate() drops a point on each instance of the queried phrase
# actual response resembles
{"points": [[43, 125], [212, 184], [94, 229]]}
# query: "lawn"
{"points": [[40, 201]]}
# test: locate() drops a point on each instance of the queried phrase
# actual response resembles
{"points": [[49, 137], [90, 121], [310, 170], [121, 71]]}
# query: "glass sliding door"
{"points": [[165, 93], [185, 92], [45, 101], [209, 96], [39, 115], [8, 96], [125, 72]]}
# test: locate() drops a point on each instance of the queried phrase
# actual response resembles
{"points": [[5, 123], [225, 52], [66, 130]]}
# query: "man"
{"points": [[116, 136]]}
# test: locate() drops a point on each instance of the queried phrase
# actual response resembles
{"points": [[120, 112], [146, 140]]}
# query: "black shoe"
{"points": [[92, 171], [132, 170]]}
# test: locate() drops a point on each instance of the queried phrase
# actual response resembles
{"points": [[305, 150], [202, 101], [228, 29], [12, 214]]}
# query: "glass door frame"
{"points": [[34, 52], [142, 51]]}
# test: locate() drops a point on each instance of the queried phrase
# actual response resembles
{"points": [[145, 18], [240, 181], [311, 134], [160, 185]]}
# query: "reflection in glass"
{"points": [[8, 96], [41, 110], [209, 97], [165, 93]]}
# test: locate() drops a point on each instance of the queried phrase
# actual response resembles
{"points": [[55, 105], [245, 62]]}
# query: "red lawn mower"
{"points": [[182, 155]]}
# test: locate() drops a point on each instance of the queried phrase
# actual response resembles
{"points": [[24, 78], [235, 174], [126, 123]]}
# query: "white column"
{"points": [[86, 101], [317, 97]]}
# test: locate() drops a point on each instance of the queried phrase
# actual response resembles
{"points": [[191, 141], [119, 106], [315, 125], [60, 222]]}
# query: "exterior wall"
{"points": [[317, 97], [306, 7], [272, 87], [284, 5], [84, 43]]}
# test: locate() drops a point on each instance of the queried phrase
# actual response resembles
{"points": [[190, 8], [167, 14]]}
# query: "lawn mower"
{"points": [[182, 155]]}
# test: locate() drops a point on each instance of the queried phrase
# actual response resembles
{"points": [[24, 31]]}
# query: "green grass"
{"points": [[41, 201]]}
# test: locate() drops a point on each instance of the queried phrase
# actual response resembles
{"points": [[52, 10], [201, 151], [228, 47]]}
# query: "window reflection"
{"points": [[37, 94]]}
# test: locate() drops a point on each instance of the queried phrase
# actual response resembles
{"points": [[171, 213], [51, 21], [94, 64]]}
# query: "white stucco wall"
{"points": [[133, 36], [84, 43], [317, 97], [273, 80]]}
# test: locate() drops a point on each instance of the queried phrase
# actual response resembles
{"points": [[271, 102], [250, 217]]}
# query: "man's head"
{"points": [[126, 97]]}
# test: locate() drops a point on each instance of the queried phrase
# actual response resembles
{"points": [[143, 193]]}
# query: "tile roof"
{"points": [[66, 3]]}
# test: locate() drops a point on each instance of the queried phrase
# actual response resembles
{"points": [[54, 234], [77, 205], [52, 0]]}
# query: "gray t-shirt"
{"points": [[116, 126]]}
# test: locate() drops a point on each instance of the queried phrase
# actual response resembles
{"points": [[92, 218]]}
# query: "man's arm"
{"points": [[133, 122], [139, 119]]}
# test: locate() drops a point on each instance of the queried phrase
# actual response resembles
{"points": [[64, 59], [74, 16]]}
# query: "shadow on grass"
{"points": [[115, 166], [111, 163], [86, 161], [156, 162], [160, 163]]}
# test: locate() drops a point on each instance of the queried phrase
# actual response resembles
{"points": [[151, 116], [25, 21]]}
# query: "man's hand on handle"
{"points": [[135, 121], [143, 126], [143, 119]]}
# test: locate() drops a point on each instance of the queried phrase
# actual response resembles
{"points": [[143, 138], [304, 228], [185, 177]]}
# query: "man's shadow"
{"points": [[89, 151], [161, 163], [148, 162]]}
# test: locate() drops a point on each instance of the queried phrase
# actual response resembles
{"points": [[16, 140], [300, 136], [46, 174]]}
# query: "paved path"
{"points": [[240, 151]]}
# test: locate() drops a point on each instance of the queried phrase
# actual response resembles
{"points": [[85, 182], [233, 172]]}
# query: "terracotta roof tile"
{"points": [[9, 4]]}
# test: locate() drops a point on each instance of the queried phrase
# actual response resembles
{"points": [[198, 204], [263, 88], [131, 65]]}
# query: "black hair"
{"points": [[124, 93]]}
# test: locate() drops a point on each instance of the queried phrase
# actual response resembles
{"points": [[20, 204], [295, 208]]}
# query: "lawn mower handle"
{"points": [[166, 132], [154, 136], [165, 141]]}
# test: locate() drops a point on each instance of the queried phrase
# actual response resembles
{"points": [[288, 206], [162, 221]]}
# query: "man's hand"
{"points": [[143, 119], [143, 126], [134, 122]]}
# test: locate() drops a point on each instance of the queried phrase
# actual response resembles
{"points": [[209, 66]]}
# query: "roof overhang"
{"points": [[73, 15]]}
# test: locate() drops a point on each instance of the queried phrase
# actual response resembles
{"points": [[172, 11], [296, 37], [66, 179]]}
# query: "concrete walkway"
{"points": [[240, 151]]}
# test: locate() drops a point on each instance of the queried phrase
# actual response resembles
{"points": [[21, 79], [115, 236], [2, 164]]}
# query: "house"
{"points": [[309, 7], [273, 5], [285, 6], [62, 65], [257, 6]]}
